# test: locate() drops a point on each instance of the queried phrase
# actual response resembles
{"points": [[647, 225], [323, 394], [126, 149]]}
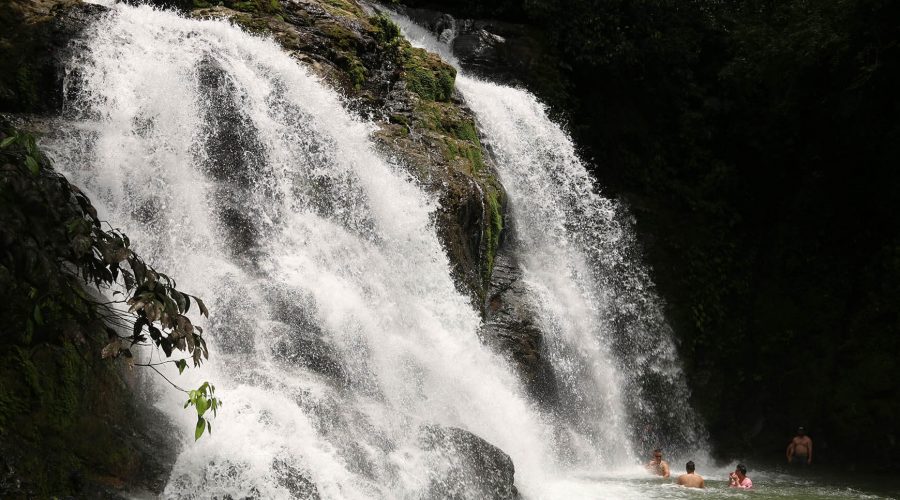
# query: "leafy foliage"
{"points": [[54, 243], [203, 399]]}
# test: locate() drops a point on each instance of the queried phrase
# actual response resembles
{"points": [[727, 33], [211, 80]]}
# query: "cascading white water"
{"points": [[604, 331], [335, 326]]}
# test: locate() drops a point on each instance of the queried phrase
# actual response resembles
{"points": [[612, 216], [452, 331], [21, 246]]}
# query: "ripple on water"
{"points": [[631, 484]]}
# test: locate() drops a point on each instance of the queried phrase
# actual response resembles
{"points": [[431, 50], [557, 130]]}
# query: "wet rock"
{"points": [[304, 346], [233, 155], [294, 481], [510, 328], [35, 42], [423, 122], [466, 466], [498, 50]]}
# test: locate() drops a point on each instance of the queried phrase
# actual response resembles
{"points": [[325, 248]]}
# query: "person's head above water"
{"points": [[657, 455], [801, 431], [689, 467], [741, 469]]}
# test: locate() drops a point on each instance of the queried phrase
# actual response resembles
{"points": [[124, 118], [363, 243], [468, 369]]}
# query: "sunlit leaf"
{"points": [[201, 425]]}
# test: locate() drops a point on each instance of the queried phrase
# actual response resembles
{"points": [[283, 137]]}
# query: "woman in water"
{"points": [[739, 479]]}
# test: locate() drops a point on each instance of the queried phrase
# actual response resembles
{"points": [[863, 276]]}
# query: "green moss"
{"points": [[347, 6], [343, 37], [252, 24], [386, 31], [263, 6], [357, 73], [457, 130], [427, 75], [494, 228]]}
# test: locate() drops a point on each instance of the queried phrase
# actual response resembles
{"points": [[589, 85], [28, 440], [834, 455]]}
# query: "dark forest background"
{"points": [[757, 144]]}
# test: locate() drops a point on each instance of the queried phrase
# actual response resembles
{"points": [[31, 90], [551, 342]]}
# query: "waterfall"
{"points": [[604, 329], [339, 341]]}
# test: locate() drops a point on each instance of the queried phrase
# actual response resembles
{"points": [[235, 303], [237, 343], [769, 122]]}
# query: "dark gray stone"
{"points": [[466, 466], [509, 327]]}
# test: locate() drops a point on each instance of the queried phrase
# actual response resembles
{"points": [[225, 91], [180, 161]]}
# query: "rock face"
{"points": [[499, 50], [422, 121], [469, 467], [34, 43], [509, 327]]}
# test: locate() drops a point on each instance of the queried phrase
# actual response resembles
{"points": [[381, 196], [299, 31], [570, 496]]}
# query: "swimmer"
{"points": [[739, 479], [691, 480], [657, 465]]}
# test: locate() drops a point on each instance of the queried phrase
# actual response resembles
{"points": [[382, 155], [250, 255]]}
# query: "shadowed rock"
{"points": [[292, 479], [233, 155], [502, 51]]}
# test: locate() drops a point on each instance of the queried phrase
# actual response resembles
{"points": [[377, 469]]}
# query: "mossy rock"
{"points": [[368, 60], [427, 75], [256, 6]]}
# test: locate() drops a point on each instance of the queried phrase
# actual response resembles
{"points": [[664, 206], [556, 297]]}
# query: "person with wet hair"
{"points": [[691, 479], [739, 479], [657, 465]]}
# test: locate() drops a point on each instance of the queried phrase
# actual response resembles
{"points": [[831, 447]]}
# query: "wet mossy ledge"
{"points": [[410, 92]]}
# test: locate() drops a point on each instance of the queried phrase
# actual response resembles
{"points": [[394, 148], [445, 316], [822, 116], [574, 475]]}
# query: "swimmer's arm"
{"points": [[702, 483], [809, 451], [790, 451], [665, 467]]}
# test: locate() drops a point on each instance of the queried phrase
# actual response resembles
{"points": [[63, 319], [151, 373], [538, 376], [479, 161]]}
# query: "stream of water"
{"points": [[339, 340]]}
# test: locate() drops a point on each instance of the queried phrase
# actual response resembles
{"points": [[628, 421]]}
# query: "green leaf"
{"points": [[201, 425], [181, 364], [32, 164], [7, 141], [202, 406], [38, 317], [30, 145]]}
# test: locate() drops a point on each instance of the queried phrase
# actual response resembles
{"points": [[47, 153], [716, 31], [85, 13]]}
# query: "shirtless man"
{"points": [[657, 465], [690, 479], [799, 450]]}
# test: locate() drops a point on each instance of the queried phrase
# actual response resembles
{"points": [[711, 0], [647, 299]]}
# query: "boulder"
{"points": [[462, 466]]}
